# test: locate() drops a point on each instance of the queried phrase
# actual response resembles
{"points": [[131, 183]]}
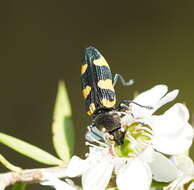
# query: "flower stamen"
{"points": [[146, 129]]}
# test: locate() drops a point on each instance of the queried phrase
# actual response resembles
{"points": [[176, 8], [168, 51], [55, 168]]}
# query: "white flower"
{"points": [[128, 173], [134, 164], [172, 134], [139, 171], [185, 181]]}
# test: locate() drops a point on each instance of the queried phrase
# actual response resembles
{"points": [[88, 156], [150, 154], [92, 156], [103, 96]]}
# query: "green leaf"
{"points": [[29, 150], [62, 127], [158, 185], [8, 165], [20, 186]]}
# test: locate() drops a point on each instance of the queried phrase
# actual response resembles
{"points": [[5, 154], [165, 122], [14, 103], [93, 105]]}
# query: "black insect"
{"points": [[98, 91], [97, 86]]}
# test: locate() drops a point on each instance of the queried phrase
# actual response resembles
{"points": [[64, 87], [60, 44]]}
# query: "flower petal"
{"points": [[152, 96], [172, 133], [167, 98], [76, 167], [147, 154], [163, 169], [155, 98], [185, 164], [98, 175], [56, 183], [136, 175], [180, 110]]}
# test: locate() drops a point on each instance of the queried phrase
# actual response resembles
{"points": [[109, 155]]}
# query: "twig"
{"points": [[29, 176]]}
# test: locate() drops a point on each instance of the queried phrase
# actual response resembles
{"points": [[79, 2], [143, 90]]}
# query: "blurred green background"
{"points": [[43, 41]]}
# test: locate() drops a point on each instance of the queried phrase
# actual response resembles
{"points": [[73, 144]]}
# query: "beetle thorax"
{"points": [[108, 122]]}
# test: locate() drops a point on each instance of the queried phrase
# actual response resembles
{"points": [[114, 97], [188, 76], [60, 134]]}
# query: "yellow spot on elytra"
{"points": [[92, 108], [107, 103], [101, 62], [106, 84], [83, 68], [86, 91]]}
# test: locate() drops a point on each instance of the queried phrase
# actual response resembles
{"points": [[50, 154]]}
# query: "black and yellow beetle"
{"points": [[96, 82], [97, 87]]}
